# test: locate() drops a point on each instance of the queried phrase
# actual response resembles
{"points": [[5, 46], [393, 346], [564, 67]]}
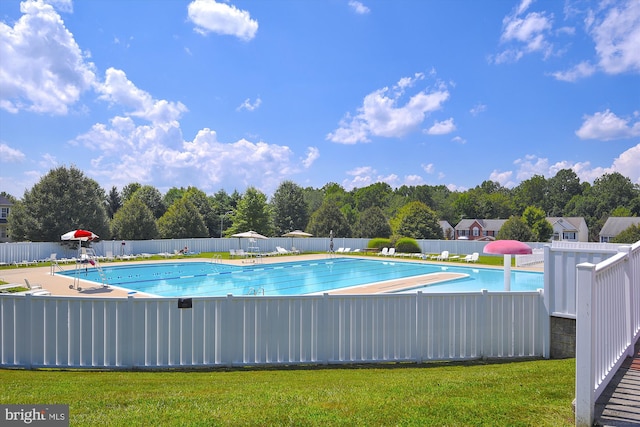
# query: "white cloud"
{"points": [[442, 128], [525, 34], [117, 89], [157, 153], [221, 18], [247, 105], [583, 69], [10, 155], [477, 109], [312, 155], [607, 126], [626, 164], [616, 33], [358, 7], [380, 114], [459, 140], [428, 168], [503, 178], [42, 68]]}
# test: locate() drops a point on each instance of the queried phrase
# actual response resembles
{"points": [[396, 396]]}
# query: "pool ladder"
{"points": [[255, 291], [216, 259]]}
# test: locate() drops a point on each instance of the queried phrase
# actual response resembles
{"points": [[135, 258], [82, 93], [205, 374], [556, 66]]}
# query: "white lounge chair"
{"points": [[474, 257], [384, 252], [392, 252], [282, 251], [340, 250], [443, 256], [32, 287]]}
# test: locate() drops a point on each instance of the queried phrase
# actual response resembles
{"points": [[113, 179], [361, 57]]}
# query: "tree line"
{"points": [[65, 199]]}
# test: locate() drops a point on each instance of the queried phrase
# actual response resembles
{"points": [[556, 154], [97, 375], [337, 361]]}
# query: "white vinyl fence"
{"points": [[124, 333], [560, 261], [607, 324]]}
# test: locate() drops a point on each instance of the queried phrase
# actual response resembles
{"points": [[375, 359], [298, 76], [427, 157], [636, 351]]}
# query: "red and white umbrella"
{"points": [[507, 248], [81, 235]]}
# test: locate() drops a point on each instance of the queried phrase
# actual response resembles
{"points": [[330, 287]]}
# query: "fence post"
{"points": [[585, 376], [628, 301], [131, 330]]}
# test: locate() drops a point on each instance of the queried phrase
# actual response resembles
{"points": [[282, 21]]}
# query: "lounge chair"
{"points": [[384, 252], [474, 257], [282, 251], [443, 256], [346, 250], [392, 252], [32, 287], [340, 250], [10, 286]]}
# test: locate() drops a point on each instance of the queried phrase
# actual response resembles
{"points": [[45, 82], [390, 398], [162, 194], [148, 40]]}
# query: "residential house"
{"points": [[447, 230], [478, 229], [615, 225], [5, 207], [569, 229]]}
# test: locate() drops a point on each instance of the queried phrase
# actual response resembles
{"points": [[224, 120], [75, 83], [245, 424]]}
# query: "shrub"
{"points": [[407, 245], [379, 243]]}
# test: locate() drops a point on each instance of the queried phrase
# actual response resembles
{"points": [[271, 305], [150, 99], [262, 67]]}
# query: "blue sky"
{"points": [[226, 95]]}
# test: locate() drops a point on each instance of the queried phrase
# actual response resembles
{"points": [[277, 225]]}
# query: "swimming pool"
{"points": [[182, 279]]}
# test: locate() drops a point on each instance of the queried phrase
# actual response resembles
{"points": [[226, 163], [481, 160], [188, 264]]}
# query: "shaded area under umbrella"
{"points": [[251, 235], [296, 233], [507, 248]]}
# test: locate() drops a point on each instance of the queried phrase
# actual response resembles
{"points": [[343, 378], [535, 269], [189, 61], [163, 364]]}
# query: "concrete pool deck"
{"points": [[59, 285]]}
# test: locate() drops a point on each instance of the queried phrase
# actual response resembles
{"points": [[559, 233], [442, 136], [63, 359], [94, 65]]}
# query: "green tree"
{"points": [[128, 190], [515, 229], [561, 188], [134, 221], [205, 206], [182, 220], [252, 213], [172, 195], [377, 194], [372, 223], [114, 202], [289, 208], [329, 217], [535, 218], [151, 197], [629, 235], [417, 220], [63, 200], [530, 192]]}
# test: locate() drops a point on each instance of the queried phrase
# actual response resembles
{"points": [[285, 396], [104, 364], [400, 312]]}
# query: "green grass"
{"points": [[523, 393]]}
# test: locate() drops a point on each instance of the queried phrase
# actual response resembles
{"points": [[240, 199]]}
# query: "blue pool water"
{"points": [[182, 279]]}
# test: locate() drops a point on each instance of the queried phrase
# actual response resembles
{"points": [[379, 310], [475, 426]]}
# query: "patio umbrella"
{"points": [[296, 233], [80, 235], [507, 248], [250, 235]]}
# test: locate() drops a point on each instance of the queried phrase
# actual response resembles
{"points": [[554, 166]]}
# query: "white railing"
{"points": [[536, 257], [118, 333], [607, 324], [560, 274]]}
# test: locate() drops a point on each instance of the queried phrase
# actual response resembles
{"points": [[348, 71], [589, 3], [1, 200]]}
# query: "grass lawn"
{"points": [[522, 393]]}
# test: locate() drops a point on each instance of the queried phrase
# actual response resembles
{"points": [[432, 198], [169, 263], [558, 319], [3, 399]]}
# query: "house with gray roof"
{"points": [[447, 230], [615, 225], [5, 207], [478, 229], [569, 229]]}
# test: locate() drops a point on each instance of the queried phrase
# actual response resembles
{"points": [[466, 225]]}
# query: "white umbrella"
{"points": [[296, 233], [250, 235]]}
